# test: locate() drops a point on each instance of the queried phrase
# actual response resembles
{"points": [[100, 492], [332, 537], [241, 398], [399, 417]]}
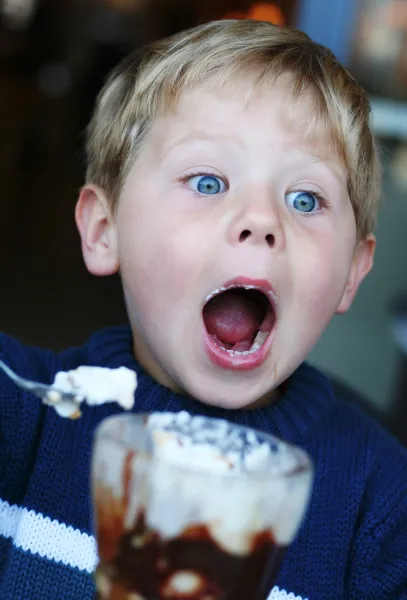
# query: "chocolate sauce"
{"points": [[137, 564]]}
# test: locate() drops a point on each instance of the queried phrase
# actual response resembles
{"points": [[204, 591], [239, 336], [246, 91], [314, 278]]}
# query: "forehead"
{"points": [[230, 110]]}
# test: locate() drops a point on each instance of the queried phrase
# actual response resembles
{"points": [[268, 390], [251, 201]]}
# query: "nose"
{"points": [[257, 221], [253, 232]]}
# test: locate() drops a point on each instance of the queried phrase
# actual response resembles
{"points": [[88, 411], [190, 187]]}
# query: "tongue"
{"points": [[233, 318]]}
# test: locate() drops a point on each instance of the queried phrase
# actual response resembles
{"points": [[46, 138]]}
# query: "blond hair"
{"points": [[151, 81]]}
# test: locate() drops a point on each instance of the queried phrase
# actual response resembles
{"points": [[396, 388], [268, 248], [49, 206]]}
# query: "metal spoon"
{"points": [[66, 403]]}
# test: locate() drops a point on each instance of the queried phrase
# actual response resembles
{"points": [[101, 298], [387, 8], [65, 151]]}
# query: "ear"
{"points": [[97, 230], [361, 265]]}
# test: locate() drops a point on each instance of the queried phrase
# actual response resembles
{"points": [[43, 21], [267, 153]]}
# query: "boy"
{"points": [[233, 180]]}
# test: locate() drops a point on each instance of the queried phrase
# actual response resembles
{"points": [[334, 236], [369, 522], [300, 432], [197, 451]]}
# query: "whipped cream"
{"points": [[230, 478], [218, 445], [94, 386], [191, 470]]}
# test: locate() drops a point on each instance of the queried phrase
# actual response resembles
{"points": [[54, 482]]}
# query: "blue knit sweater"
{"points": [[353, 543]]}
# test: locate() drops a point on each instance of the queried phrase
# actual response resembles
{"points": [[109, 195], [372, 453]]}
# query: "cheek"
{"points": [[322, 274], [160, 259]]}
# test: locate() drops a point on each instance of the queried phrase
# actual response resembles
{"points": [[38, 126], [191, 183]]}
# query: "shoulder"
{"points": [[367, 423], [378, 554], [108, 345], [363, 468], [39, 364], [343, 408], [355, 420], [382, 464], [351, 436], [347, 396]]}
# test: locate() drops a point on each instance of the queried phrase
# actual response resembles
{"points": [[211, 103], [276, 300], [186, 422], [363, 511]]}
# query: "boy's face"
{"points": [[232, 194]]}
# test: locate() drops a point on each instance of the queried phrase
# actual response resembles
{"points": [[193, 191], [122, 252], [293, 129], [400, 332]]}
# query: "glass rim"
{"points": [[303, 463]]}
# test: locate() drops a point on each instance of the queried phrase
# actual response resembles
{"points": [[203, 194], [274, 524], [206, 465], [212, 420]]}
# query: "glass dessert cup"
{"points": [[193, 508]]}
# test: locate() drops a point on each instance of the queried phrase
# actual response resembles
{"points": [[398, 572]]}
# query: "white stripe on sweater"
{"points": [[34, 533], [56, 541]]}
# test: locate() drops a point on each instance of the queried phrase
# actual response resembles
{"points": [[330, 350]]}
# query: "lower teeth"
{"points": [[257, 343], [261, 338]]}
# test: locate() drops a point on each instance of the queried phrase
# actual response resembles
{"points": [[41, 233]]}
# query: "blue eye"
{"points": [[302, 201], [206, 184]]}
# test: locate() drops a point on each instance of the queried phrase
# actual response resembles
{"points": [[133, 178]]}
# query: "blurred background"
{"points": [[54, 57]]}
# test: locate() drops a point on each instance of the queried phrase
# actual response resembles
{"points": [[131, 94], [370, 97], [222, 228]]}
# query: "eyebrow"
{"points": [[334, 166], [203, 136]]}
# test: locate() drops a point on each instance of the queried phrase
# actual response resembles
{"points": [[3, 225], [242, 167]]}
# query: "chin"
{"points": [[227, 404], [232, 399]]}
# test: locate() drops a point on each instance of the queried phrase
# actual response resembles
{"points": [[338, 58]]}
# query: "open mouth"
{"points": [[239, 319]]}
